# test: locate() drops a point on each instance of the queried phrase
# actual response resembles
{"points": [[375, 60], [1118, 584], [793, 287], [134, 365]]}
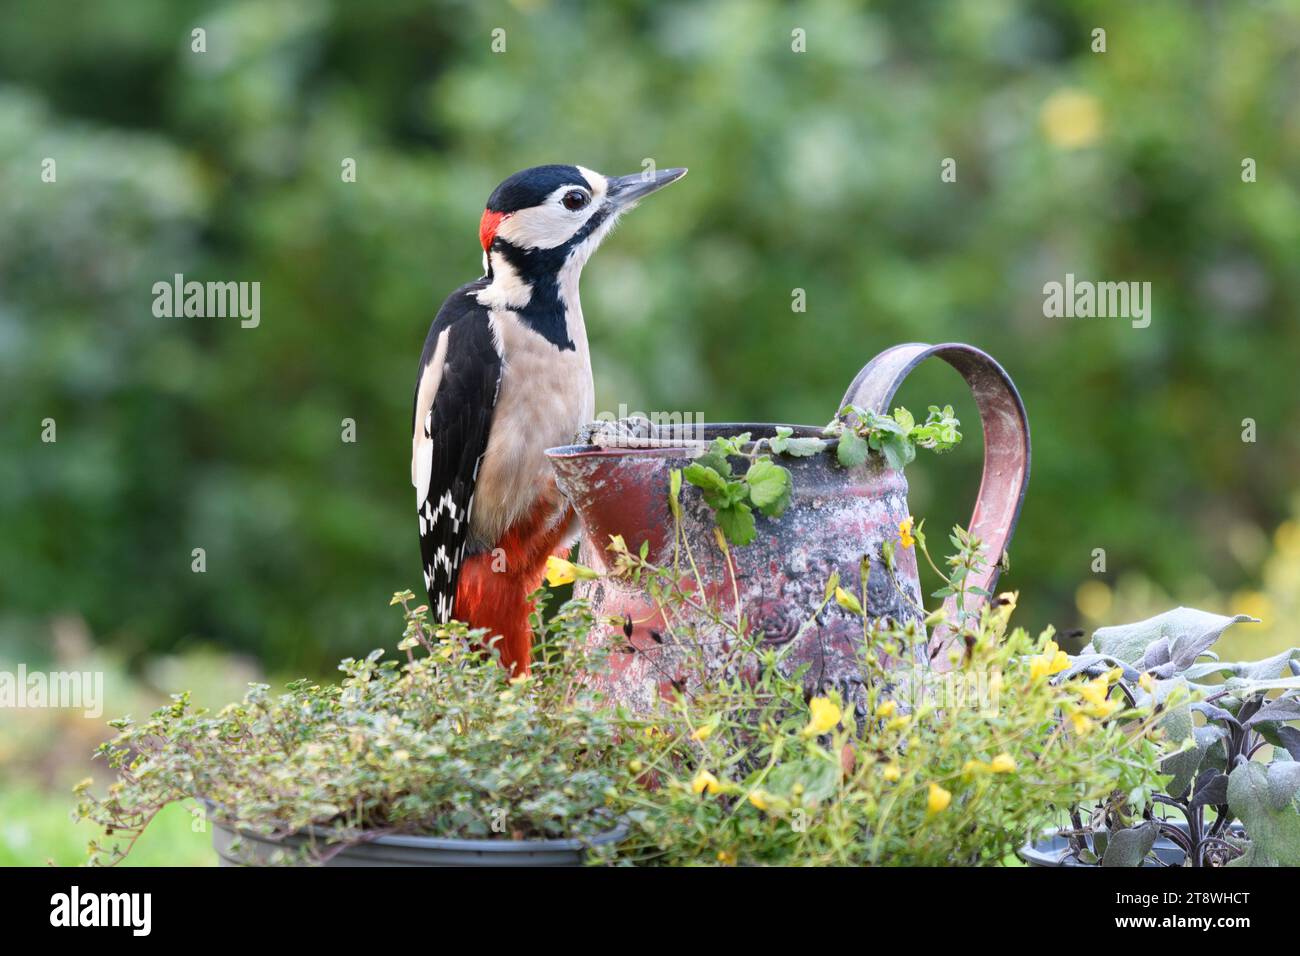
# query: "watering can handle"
{"points": [[1006, 438]]}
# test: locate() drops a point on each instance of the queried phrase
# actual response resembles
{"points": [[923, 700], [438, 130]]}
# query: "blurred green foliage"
{"points": [[817, 170], [37, 832]]}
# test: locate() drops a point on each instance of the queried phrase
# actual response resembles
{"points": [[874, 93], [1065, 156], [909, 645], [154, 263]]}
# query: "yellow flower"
{"points": [[726, 858], [938, 799], [705, 731], [1081, 723], [1147, 682], [899, 722], [971, 767], [1071, 119], [560, 571], [886, 709], [1053, 660], [1003, 608], [1094, 691], [892, 772], [905, 532], [758, 798], [847, 601], [706, 781], [825, 714], [1003, 763], [1094, 694]]}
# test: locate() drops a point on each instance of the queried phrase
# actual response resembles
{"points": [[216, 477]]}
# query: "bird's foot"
{"points": [[633, 432]]}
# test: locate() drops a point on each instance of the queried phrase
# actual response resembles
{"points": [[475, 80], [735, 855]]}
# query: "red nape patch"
{"points": [[487, 227]]}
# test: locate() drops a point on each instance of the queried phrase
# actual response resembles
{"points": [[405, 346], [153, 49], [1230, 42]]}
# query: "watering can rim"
{"points": [[713, 429]]}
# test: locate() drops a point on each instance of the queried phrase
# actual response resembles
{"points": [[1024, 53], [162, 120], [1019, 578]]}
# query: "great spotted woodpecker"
{"points": [[506, 374]]}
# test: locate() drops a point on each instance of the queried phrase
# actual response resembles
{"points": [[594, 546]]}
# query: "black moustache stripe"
{"points": [[540, 269]]}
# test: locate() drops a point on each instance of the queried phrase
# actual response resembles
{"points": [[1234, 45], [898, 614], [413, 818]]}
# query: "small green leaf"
{"points": [[899, 452], [705, 477], [852, 450], [737, 523], [769, 487], [731, 493], [803, 447]]}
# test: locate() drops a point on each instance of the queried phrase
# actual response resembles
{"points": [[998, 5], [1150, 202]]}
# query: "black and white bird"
{"points": [[506, 374]]}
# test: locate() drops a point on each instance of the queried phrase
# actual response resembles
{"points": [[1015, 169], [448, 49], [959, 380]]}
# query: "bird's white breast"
{"points": [[546, 395]]}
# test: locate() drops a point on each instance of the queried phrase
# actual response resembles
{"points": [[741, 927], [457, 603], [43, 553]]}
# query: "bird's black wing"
{"points": [[455, 397]]}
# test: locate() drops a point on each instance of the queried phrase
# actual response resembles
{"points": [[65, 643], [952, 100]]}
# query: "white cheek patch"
{"points": [[543, 227]]}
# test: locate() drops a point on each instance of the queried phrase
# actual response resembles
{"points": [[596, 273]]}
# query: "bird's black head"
{"points": [[538, 230], [562, 207]]}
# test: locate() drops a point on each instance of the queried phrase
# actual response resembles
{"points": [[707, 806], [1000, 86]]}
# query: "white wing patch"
{"points": [[422, 439]]}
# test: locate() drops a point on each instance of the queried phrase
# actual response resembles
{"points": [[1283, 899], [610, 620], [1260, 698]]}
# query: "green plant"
{"points": [[895, 436], [1218, 720], [444, 743], [743, 766], [747, 762], [766, 486]]}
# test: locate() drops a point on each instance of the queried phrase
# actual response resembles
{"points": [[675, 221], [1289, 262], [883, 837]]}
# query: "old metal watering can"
{"points": [[837, 516]]}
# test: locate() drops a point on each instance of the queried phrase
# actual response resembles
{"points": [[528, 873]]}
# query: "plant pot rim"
{"points": [[711, 430], [615, 834], [1040, 852]]}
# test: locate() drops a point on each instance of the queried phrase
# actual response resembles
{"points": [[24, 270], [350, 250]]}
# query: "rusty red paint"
{"points": [[836, 518]]}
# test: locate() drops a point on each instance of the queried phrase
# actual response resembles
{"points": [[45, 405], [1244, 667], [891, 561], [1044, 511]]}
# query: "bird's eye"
{"points": [[574, 200]]}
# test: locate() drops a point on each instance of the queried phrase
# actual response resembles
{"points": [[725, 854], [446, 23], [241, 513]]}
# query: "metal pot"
{"points": [[1053, 850], [412, 850], [837, 517]]}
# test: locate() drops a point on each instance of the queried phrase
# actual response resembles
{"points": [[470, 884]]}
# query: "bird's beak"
{"points": [[625, 191]]}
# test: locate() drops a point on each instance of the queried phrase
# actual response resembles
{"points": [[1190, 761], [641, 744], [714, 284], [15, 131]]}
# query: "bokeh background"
{"points": [[817, 170]]}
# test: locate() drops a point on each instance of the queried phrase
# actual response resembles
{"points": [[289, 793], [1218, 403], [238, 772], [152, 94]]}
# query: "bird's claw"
{"points": [[620, 433]]}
